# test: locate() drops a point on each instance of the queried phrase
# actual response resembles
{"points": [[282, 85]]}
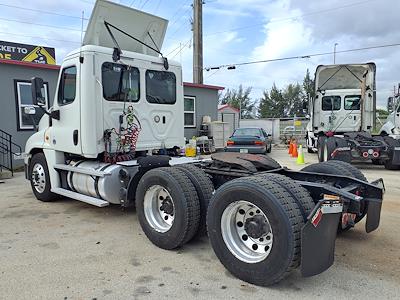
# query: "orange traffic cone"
{"points": [[290, 148], [295, 153]]}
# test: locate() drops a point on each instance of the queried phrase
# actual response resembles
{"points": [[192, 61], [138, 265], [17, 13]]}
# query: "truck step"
{"points": [[80, 170], [73, 195]]}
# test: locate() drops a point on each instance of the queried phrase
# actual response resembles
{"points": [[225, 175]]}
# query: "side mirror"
{"points": [[308, 117], [37, 88], [390, 104]]}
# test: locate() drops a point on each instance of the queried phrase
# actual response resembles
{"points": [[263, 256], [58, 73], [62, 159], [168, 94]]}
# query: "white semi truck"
{"points": [[392, 124], [113, 137], [343, 117]]}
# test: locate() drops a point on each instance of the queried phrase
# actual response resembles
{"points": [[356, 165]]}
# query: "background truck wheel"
{"points": [[344, 156], [168, 207], [40, 178], [389, 162], [204, 188], [320, 148], [254, 226]]}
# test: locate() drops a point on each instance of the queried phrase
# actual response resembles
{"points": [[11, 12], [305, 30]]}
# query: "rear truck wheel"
{"points": [[254, 226], [343, 155], [299, 194], [337, 167], [329, 148], [40, 178], [204, 188], [389, 165], [320, 148], [168, 207]]}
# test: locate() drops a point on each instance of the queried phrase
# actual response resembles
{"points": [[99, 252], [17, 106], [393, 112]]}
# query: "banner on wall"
{"points": [[27, 53]]}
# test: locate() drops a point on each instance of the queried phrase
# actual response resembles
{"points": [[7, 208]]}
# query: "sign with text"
{"points": [[27, 53]]}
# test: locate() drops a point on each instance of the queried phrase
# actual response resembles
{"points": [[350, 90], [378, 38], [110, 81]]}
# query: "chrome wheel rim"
{"points": [[246, 232], [38, 178], [159, 208]]}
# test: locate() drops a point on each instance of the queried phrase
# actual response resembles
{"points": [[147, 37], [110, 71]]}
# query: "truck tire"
{"points": [[355, 172], [389, 162], [344, 156], [320, 148], [168, 207], [244, 218], [204, 188], [40, 179], [337, 167], [300, 194]]}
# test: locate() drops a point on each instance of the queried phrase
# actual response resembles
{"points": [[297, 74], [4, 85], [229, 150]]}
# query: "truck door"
{"points": [[65, 132], [350, 117], [330, 112]]}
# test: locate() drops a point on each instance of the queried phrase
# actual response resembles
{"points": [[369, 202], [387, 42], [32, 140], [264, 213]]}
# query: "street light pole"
{"points": [[334, 53]]}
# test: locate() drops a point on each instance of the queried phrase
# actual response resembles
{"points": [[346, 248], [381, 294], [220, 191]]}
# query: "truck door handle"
{"points": [[75, 137]]}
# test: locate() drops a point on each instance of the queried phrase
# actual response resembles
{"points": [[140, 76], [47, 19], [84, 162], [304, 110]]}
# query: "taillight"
{"points": [[258, 143], [229, 142]]}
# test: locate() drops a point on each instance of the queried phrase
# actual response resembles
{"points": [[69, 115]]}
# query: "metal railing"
{"points": [[7, 149]]}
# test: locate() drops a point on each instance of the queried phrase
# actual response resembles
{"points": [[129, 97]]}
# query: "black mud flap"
{"points": [[374, 207], [396, 156], [318, 237]]}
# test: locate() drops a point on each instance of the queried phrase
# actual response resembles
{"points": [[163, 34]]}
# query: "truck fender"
{"points": [[145, 164]]}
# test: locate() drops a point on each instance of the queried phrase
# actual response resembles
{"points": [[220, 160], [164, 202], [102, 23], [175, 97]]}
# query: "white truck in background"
{"points": [[343, 117], [113, 137], [392, 124]]}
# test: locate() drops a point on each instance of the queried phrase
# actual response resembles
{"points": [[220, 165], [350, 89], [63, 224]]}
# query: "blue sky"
{"points": [[237, 31]]}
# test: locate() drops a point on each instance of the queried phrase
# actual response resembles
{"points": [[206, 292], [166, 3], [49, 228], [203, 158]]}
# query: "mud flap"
{"points": [[374, 207], [396, 156], [318, 237]]}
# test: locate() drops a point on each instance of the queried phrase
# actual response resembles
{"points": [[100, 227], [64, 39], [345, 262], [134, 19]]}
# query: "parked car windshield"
{"points": [[247, 132]]}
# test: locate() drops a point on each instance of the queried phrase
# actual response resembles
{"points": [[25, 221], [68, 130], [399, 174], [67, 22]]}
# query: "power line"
{"points": [[143, 5], [38, 24], [179, 9], [39, 37], [183, 48], [40, 11], [233, 66], [289, 18]]}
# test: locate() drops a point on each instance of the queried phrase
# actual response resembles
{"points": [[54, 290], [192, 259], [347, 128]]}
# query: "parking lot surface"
{"points": [[71, 250]]}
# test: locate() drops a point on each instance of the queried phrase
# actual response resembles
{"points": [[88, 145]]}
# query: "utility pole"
{"points": [[334, 53], [198, 41]]}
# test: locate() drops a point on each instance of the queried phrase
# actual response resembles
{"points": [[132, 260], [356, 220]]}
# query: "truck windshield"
{"points": [[352, 102], [120, 82], [331, 103], [160, 87]]}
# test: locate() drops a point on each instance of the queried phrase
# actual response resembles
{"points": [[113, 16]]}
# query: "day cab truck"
{"points": [[392, 124], [112, 137], [343, 117]]}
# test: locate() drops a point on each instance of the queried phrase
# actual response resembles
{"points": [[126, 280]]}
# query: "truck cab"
{"points": [[392, 124]]}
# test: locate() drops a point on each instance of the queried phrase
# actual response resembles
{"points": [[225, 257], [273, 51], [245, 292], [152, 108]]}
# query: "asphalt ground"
{"points": [[71, 250]]}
